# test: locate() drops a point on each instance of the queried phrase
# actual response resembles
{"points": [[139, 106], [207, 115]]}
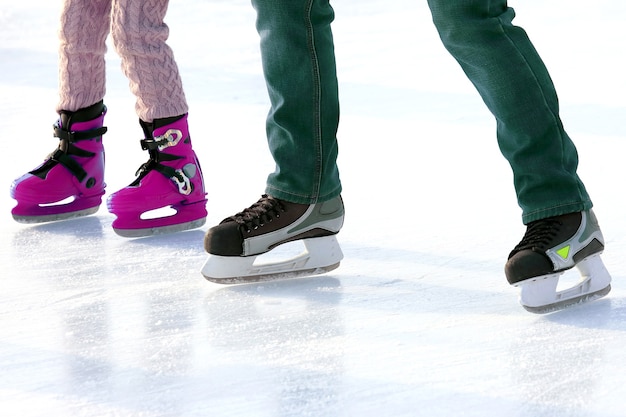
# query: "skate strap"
{"points": [[179, 177], [170, 138], [74, 167], [72, 136], [61, 155]]}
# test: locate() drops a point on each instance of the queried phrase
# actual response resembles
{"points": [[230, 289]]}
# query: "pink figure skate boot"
{"points": [[70, 182], [171, 179]]}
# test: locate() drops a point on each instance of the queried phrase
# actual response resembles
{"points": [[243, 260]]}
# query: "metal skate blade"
{"points": [[540, 295], [47, 218], [321, 255], [273, 277], [550, 308], [152, 231]]}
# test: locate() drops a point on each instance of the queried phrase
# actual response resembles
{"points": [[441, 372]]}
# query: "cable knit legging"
{"points": [[139, 36]]}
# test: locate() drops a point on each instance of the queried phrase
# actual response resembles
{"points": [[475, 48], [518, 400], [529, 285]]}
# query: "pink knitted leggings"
{"points": [[139, 34]]}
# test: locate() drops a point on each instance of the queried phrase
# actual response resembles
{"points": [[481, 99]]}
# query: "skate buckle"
{"points": [[170, 138], [183, 182]]}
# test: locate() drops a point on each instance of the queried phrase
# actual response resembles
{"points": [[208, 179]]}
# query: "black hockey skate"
{"points": [[550, 247], [235, 243]]}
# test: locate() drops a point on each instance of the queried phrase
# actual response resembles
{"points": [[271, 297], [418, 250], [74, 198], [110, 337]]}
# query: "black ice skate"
{"points": [[235, 243], [550, 247]]}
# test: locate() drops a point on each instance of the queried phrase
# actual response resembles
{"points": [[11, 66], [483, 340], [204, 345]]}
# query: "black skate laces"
{"points": [[263, 211], [539, 235]]}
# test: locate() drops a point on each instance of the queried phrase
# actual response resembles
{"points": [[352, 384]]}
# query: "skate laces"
{"points": [[263, 211], [539, 235]]}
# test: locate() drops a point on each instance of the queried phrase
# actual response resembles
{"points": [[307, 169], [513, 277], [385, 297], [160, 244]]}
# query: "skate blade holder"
{"points": [[68, 208], [541, 295], [320, 255]]}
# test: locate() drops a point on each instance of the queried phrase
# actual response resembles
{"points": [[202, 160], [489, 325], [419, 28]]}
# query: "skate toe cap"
{"points": [[224, 240], [527, 264]]}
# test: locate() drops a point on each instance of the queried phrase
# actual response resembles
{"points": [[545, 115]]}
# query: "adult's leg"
{"points": [[507, 71], [303, 201], [299, 66]]}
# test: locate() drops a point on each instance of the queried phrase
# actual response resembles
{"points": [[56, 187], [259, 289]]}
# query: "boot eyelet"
{"points": [[90, 182]]}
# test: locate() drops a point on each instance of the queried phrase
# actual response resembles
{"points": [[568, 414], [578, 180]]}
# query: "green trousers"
{"points": [[499, 59]]}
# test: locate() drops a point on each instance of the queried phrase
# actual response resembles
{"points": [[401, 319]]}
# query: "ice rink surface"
{"points": [[417, 321]]}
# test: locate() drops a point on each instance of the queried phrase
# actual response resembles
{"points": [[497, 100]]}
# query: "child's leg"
{"points": [[70, 181], [140, 36], [83, 30], [171, 179]]}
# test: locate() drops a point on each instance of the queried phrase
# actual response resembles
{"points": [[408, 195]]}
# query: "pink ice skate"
{"points": [[70, 182], [170, 181]]}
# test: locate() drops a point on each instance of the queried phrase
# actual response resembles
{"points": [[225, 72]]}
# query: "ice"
{"points": [[417, 321]]}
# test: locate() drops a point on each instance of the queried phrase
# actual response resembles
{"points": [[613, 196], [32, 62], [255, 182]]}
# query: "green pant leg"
{"points": [[510, 76], [299, 66]]}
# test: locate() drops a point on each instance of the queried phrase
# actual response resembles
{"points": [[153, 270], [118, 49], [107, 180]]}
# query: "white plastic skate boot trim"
{"points": [[321, 255], [540, 295]]}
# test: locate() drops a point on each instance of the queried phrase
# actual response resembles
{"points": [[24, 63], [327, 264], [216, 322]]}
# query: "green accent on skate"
{"points": [[564, 251]]}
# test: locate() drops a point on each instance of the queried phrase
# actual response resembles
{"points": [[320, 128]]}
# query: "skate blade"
{"points": [[540, 295], [163, 220], [47, 218], [550, 308], [159, 230], [321, 255]]}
